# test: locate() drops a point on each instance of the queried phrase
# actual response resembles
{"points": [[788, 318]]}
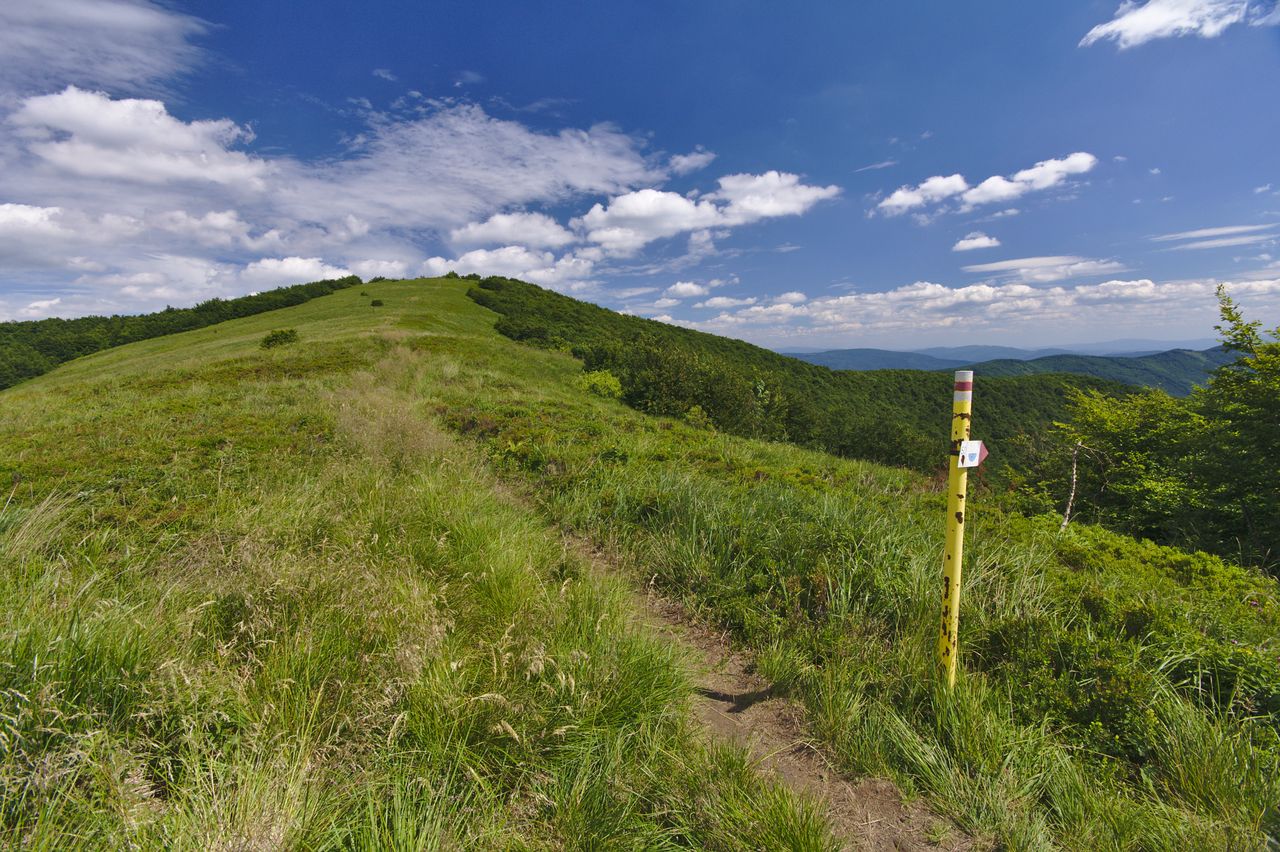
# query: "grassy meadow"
{"points": [[260, 599], [318, 596]]}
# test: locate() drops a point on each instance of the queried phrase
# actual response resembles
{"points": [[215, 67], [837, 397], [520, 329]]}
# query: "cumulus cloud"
{"points": [[686, 289], [89, 134], [635, 219], [1138, 23], [722, 302], [699, 158], [753, 197], [666, 302], [997, 188], [536, 230], [936, 188], [975, 240], [1048, 268], [278, 271], [795, 297], [567, 272]]}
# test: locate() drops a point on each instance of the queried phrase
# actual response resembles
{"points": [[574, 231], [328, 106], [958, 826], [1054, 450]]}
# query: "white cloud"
{"points": [[367, 269], [40, 308], [975, 240], [1043, 175], [1223, 242], [385, 74], [537, 230], [1012, 306], [457, 164], [634, 220], [686, 289], [871, 167], [665, 302], [1154, 171], [567, 272], [1048, 268], [280, 271], [1259, 190], [754, 197], [632, 292], [699, 158], [722, 302], [123, 45], [795, 297], [89, 134], [1138, 23], [1204, 233], [936, 188], [997, 188]]}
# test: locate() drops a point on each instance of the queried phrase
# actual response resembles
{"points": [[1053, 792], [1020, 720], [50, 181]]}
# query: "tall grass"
{"points": [[269, 605]]}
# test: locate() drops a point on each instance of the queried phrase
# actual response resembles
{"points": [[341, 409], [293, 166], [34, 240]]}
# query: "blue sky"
{"points": [[798, 175]]}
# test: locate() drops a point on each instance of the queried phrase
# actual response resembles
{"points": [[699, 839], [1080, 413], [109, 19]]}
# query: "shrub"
{"points": [[698, 418], [376, 303], [280, 337], [601, 383]]}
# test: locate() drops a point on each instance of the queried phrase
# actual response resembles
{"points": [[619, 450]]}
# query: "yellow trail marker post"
{"points": [[964, 454]]}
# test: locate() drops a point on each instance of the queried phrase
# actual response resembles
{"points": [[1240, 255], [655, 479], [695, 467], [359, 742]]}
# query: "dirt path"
{"points": [[737, 705]]}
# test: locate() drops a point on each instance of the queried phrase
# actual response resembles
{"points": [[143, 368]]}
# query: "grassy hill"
{"points": [[262, 598]]}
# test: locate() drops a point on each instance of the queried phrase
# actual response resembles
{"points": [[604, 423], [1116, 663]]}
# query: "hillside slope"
{"points": [[276, 598], [890, 416]]}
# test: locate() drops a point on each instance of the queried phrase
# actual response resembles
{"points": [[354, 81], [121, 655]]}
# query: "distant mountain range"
{"points": [[1174, 370]]}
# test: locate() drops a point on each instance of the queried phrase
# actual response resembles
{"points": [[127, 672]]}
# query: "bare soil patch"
{"points": [[735, 704]]}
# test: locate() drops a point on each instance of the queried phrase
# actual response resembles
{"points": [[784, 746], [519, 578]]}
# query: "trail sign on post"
{"points": [[962, 450], [972, 453]]}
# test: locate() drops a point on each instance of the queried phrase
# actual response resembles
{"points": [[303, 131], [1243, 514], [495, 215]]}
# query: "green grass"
{"points": [[260, 599], [277, 597]]}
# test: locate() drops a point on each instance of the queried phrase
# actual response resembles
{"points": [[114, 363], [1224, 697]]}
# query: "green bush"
{"points": [[280, 337], [601, 383], [376, 303]]}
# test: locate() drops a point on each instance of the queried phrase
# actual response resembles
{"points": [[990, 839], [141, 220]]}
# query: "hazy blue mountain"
{"points": [[877, 359], [1175, 371], [970, 354]]}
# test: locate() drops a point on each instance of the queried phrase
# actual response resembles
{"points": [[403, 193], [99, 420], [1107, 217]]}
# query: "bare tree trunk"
{"points": [[1071, 498]]}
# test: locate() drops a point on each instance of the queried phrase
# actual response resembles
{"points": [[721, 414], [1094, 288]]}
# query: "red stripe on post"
{"points": [[963, 386]]}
